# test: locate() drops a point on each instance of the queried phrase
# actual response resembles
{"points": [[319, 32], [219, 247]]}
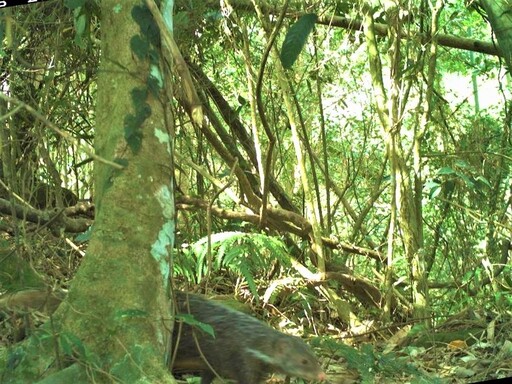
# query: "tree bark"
{"points": [[115, 322], [499, 13]]}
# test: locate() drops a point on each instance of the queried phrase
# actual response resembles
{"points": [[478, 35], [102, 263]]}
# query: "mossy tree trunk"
{"points": [[116, 317], [499, 14]]}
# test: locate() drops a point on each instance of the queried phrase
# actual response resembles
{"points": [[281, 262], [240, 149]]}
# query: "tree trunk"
{"points": [[499, 13], [405, 203], [115, 322]]}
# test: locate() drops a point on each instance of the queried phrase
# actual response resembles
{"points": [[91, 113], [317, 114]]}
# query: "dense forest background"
{"points": [[341, 166]]}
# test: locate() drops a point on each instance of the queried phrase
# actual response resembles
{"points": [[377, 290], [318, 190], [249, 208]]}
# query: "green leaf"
{"points": [[81, 16], [143, 17], [189, 319], [155, 81], [296, 38], [467, 180], [483, 181], [84, 236], [462, 164], [132, 132], [139, 46], [80, 24], [71, 345], [433, 189], [445, 171], [249, 278], [133, 123]]}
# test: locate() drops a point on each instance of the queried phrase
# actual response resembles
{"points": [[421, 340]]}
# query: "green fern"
{"points": [[244, 253]]}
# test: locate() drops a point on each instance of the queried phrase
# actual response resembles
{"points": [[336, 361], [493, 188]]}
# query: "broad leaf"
{"points": [[296, 38]]}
